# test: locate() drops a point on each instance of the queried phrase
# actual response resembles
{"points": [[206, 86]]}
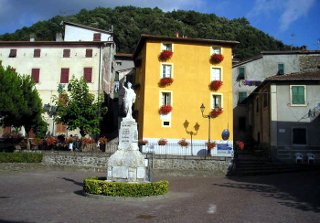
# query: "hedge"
{"points": [[100, 186], [20, 157]]}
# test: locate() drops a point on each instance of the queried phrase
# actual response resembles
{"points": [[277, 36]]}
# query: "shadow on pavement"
{"points": [[294, 190]]}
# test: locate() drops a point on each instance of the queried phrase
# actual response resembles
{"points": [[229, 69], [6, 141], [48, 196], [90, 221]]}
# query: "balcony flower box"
{"points": [[165, 55], [216, 112], [162, 142], [216, 58], [215, 85], [183, 143], [165, 81], [165, 109]]}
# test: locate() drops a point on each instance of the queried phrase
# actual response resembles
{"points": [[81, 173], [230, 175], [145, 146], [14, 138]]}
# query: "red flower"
{"points": [[216, 112], [211, 145], [165, 109], [215, 85], [87, 140], [162, 142], [183, 143], [165, 81], [165, 55], [216, 58], [240, 145]]}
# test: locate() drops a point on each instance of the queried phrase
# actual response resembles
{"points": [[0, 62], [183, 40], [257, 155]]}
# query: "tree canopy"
{"points": [[20, 104], [130, 22], [78, 108]]}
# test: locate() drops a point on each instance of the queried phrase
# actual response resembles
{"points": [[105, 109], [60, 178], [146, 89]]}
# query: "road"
{"points": [[33, 194]]}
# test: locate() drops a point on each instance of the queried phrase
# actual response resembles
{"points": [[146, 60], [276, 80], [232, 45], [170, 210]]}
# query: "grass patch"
{"points": [[20, 157], [99, 186]]}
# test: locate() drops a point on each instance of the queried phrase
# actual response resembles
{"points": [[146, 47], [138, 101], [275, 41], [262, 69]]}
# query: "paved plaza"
{"points": [[35, 193]]}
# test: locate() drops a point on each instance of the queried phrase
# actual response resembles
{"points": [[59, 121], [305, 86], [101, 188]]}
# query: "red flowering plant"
{"points": [[183, 143], [216, 112], [240, 145], [165, 109], [165, 81], [162, 142], [210, 145], [165, 55], [142, 142], [51, 141], [216, 58], [102, 140], [87, 140], [215, 85]]}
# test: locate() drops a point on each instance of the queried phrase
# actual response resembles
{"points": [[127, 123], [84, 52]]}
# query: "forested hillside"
{"points": [[130, 22]]}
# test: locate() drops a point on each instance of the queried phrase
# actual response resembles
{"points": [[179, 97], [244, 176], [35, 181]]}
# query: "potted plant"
{"points": [[165, 81], [162, 142], [142, 142], [88, 144], [210, 146], [165, 55], [102, 143], [216, 112], [183, 143], [216, 58], [215, 85], [165, 109]]}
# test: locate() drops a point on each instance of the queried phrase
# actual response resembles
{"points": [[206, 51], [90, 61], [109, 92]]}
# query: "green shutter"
{"points": [[242, 96], [280, 68], [297, 93], [241, 73]]}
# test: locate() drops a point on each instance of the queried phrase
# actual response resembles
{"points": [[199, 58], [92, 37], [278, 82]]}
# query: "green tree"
{"points": [[79, 109], [20, 104]]}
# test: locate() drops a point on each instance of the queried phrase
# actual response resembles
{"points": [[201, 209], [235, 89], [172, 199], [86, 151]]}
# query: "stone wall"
{"points": [[166, 163]]}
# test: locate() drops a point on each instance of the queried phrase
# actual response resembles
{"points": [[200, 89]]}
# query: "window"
{"points": [[13, 53], [88, 52], [216, 50], [241, 75], [87, 74], [165, 98], [66, 53], [64, 75], [167, 46], [299, 136], [215, 74], [216, 101], [118, 63], [242, 123], [166, 70], [242, 96], [166, 123], [97, 37], [298, 96], [36, 53], [35, 73], [280, 68]]}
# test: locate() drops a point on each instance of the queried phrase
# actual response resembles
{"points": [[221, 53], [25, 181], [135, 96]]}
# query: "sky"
{"points": [[294, 22]]}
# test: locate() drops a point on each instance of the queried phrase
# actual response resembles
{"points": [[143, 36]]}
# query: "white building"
{"points": [[85, 52]]}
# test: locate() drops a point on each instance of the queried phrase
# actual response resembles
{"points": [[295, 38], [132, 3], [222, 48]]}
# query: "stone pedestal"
{"points": [[127, 163]]}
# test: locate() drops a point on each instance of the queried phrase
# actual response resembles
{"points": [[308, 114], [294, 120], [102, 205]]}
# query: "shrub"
{"points": [[100, 186], [20, 157]]}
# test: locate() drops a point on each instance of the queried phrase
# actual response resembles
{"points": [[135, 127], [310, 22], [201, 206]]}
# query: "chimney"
{"points": [[59, 37]]}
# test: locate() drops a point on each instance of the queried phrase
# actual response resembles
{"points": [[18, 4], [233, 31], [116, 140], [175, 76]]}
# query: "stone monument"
{"points": [[127, 163]]}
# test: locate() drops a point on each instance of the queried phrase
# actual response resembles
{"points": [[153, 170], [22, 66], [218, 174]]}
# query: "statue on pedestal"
{"points": [[129, 99]]}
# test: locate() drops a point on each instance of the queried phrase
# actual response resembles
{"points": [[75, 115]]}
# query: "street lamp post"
{"points": [[202, 108]]}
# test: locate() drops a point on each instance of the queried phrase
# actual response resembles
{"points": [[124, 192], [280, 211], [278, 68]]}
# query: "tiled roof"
{"points": [[299, 76]]}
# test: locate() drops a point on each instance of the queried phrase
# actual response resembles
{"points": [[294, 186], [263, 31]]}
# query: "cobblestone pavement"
{"points": [[35, 193]]}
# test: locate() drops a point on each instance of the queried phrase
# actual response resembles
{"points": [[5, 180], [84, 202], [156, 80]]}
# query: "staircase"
{"points": [[250, 164]]}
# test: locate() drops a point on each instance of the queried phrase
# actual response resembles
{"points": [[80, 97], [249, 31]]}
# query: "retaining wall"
{"points": [[99, 162]]}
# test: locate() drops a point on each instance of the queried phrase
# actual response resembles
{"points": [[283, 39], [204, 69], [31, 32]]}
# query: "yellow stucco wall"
{"points": [[191, 74]]}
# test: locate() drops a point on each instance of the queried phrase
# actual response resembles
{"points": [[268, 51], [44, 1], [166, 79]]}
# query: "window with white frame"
{"points": [[216, 101], [165, 98], [216, 74], [166, 70], [216, 50], [298, 94], [167, 46]]}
